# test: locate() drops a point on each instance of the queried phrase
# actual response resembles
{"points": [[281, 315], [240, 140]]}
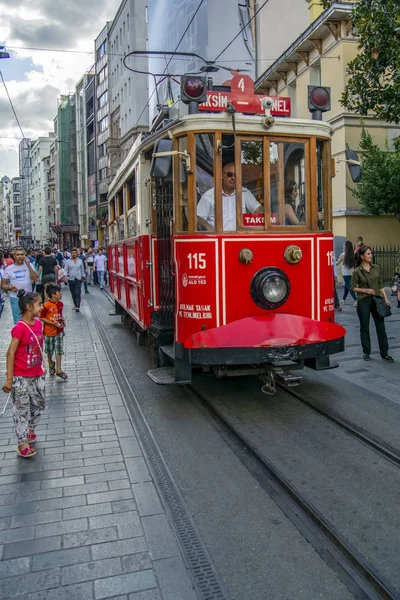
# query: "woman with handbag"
{"points": [[367, 282]]}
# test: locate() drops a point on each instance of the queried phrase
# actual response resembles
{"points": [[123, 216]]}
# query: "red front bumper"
{"points": [[267, 331]]}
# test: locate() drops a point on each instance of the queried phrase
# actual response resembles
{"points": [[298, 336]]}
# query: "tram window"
{"points": [[251, 158], [322, 173], [183, 187], [131, 192], [205, 190], [287, 183]]}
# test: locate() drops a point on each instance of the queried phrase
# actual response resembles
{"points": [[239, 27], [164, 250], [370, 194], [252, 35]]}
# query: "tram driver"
{"points": [[206, 205]]}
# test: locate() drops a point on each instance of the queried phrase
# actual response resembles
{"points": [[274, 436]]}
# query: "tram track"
{"points": [[379, 446], [361, 578]]}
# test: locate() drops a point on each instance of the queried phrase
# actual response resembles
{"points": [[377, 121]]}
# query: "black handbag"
{"points": [[381, 307]]}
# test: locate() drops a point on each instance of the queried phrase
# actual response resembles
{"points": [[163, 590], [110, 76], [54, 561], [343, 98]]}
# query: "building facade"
{"points": [[209, 35], [102, 132], [40, 192], [16, 211], [85, 134], [128, 91], [5, 211], [25, 192], [319, 56], [67, 161]]}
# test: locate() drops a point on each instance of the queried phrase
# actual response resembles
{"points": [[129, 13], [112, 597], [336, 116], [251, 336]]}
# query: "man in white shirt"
{"points": [[18, 276], [206, 205], [100, 264]]}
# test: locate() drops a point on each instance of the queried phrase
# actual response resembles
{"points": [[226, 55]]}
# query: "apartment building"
{"points": [[39, 190], [128, 91], [25, 192], [16, 211], [5, 210]]}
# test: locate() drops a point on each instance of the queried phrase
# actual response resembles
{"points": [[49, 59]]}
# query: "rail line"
{"points": [[361, 578], [383, 449]]}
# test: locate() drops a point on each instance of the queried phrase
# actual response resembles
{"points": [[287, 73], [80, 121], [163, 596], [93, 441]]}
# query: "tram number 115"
{"points": [[331, 258], [197, 260]]}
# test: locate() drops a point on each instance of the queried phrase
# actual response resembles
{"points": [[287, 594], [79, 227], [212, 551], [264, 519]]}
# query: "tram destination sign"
{"points": [[248, 104], [243, 98]]}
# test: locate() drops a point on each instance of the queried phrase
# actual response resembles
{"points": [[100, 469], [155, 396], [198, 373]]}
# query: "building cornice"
{"points": [[355, 120], [118, 14], [336, 12]]}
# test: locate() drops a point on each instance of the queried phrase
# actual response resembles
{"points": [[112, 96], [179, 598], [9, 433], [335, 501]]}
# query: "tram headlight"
{"points": [[270, 288]]}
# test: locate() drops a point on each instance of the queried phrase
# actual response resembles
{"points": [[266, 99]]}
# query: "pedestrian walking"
{"points": [[335, 274], [48, 270], [52, 317], [58, 256], [100, 265], [7, 258], [90, 265], [82, 256], [19, 275], [25, 374], [75, 273], [357, 246], [95, 278], [367, 282], [347, 261]]}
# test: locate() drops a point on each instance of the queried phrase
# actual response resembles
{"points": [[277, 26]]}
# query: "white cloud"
{"points": [[68, 25]]}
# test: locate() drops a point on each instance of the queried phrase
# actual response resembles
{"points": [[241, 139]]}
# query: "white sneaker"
{"points": [[342, 301]]}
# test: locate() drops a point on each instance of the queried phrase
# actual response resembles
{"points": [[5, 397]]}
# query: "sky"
{"points": [[35, 79]]}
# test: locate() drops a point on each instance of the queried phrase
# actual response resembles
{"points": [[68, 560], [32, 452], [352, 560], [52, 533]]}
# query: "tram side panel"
{"points": [[129, 272]]}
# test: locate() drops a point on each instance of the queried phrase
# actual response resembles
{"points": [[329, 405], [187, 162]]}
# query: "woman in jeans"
{"points": [[347, 258], [367, 282]]}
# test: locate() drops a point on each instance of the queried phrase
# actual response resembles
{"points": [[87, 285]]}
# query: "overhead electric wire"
{"points": [[176, 58], [166, 68], [243, 28], [12, 106]]}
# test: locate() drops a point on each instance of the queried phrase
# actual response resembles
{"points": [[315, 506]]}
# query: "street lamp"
{"points": [[3, 52]]}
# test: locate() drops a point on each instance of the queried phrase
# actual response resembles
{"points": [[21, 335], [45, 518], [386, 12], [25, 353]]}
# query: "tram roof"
{"points": [[201, 122]]}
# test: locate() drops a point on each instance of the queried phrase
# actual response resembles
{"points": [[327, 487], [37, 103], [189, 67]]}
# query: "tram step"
{"points": [[168, 351], [165, 376]]}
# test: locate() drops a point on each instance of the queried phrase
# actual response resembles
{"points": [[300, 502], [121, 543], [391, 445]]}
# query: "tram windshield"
{"points": [[253, 183]]}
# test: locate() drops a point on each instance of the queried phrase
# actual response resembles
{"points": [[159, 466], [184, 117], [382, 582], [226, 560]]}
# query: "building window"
{"points": [[102, 150], [103, 99], [102, 50], [102, 75], [103, 174], [127, 21], [103, 124]]}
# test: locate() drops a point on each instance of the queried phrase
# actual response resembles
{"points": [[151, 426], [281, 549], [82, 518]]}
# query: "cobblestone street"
{"points": [[83, 519]]}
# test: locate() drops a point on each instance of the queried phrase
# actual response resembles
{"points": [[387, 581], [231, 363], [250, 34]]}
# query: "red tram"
{"points": [[221, 250]]}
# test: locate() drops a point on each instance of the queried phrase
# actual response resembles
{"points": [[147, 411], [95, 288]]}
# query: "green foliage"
{"points": [[374, 75], [378, 191]]}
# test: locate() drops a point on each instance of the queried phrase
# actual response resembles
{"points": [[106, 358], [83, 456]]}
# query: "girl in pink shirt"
{"points": [[25, 373]]}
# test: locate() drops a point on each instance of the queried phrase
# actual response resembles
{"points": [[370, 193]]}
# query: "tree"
{"points": [[374, 75], [378, 191]]}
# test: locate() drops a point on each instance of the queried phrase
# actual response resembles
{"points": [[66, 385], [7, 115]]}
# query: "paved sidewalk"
{"points": [[82, 519], [375, 375]]}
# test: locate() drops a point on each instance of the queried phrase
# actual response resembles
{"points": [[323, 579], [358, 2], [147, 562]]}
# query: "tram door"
{"points": [[166, 280]]}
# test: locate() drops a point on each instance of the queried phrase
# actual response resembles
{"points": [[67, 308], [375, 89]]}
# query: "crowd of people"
{"points": [[34, 280]]}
